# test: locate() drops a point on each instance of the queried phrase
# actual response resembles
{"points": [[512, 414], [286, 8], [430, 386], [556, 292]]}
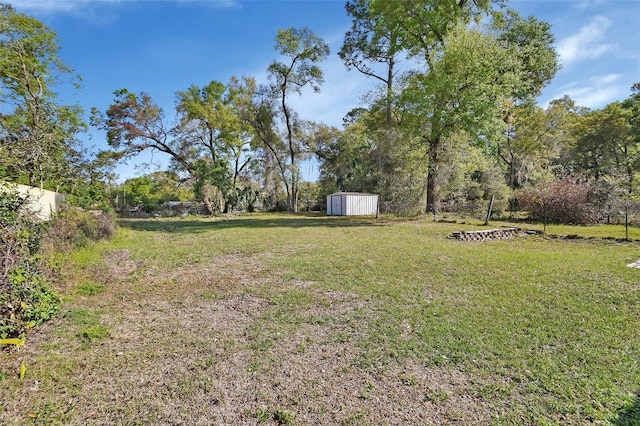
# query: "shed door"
{"points": [[336, 205]]}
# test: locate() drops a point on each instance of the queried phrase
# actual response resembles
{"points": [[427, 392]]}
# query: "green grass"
{"points": [[545, 329]]}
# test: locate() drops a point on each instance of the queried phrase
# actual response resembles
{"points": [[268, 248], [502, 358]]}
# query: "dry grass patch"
{"points": [[216, 342], [313, 321]]}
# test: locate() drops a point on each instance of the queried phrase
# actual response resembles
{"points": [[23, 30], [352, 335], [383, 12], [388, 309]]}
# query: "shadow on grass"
{"points": [[197, 225], [630, 414]]}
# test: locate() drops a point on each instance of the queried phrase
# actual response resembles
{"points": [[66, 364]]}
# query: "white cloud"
{"points": [[600, 80], [595, 92], [589, 4], [213, 4], [79, 7], [50, 6], [588, 43]]}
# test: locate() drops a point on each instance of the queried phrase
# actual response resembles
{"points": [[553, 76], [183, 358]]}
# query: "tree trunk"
{"points": [[207, 203], [512, 173], [389, 118], [294, 200], [432, 178], [432, 201]]}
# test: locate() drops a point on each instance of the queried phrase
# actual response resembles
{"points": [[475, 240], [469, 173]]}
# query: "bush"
{"points": [[25, 301], [567, 201], [74, 228]]}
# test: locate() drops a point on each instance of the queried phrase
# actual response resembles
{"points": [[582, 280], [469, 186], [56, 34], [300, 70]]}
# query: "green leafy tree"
{"points": [[301, 50], [37, 133], [539, 142], [531, 42], [148, 192], [371, 42], [457, 99], [631, 148], [209, 142], [91, 181], [455, 87], [345, 158], [257, 108], [210, 126], [473, 177], [605, 146]]}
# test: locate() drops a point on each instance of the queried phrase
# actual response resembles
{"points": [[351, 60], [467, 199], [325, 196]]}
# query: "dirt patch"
{"points": [[206, 344], [119, 264], [198, 364]]}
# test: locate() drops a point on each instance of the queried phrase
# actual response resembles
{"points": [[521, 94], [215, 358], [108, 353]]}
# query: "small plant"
{"points": [[436, 396], [408, 380], [90, 289], [356, 419], [95, 332], [263, 415], [283, 417], [74, 228], [366, 391]]}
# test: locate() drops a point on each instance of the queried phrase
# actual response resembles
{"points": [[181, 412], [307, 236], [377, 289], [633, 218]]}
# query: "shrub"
{"points": [[74, 228], [567, 201], [25, 300]]}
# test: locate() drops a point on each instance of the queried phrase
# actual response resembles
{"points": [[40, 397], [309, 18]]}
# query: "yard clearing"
{"points": [[298, 319]]}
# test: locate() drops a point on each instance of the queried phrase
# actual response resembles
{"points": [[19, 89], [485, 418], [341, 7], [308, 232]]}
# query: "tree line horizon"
{"points": [[459, 127]]}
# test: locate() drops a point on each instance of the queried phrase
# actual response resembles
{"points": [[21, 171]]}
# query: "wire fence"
{"points": [[619, 219]]}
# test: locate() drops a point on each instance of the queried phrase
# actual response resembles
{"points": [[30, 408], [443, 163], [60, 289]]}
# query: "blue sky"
{"points": [[161, 47]]}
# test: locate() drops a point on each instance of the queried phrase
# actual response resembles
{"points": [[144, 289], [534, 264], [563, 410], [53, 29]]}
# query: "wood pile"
{"points": [[488, 235]]}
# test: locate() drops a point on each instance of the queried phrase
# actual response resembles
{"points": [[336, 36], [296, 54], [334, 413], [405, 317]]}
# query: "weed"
{"points": [[95, 332], [212, 296], [82, 317], [263, 415], [89, 289], [408, 379], [283, 417], [436, 396], [367, 391]]}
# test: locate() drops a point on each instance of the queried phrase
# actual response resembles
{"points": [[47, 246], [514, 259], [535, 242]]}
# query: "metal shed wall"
{"points": [[352, 204]]}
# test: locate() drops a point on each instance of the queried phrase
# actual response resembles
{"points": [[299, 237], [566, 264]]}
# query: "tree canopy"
{"points": [[459, 125], [37, 133]]}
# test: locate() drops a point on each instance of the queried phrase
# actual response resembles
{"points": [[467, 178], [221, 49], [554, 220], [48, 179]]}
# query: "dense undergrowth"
{"points": [[26, 265]]}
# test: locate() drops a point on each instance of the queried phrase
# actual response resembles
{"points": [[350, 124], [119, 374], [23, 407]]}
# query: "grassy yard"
{"points": [[282, 319]]}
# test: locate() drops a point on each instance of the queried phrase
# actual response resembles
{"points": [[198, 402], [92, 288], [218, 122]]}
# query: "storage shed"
{"points": [[352, 204]]}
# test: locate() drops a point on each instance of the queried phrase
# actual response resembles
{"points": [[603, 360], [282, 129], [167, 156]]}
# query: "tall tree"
{"points": [[37, 133], [605, 146], [257, 107], [632, 103], [211, 128], [369, 43], [539, 142], [301, 51], [203, 144], [531, 42], [457, 99], [454, 70]]}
